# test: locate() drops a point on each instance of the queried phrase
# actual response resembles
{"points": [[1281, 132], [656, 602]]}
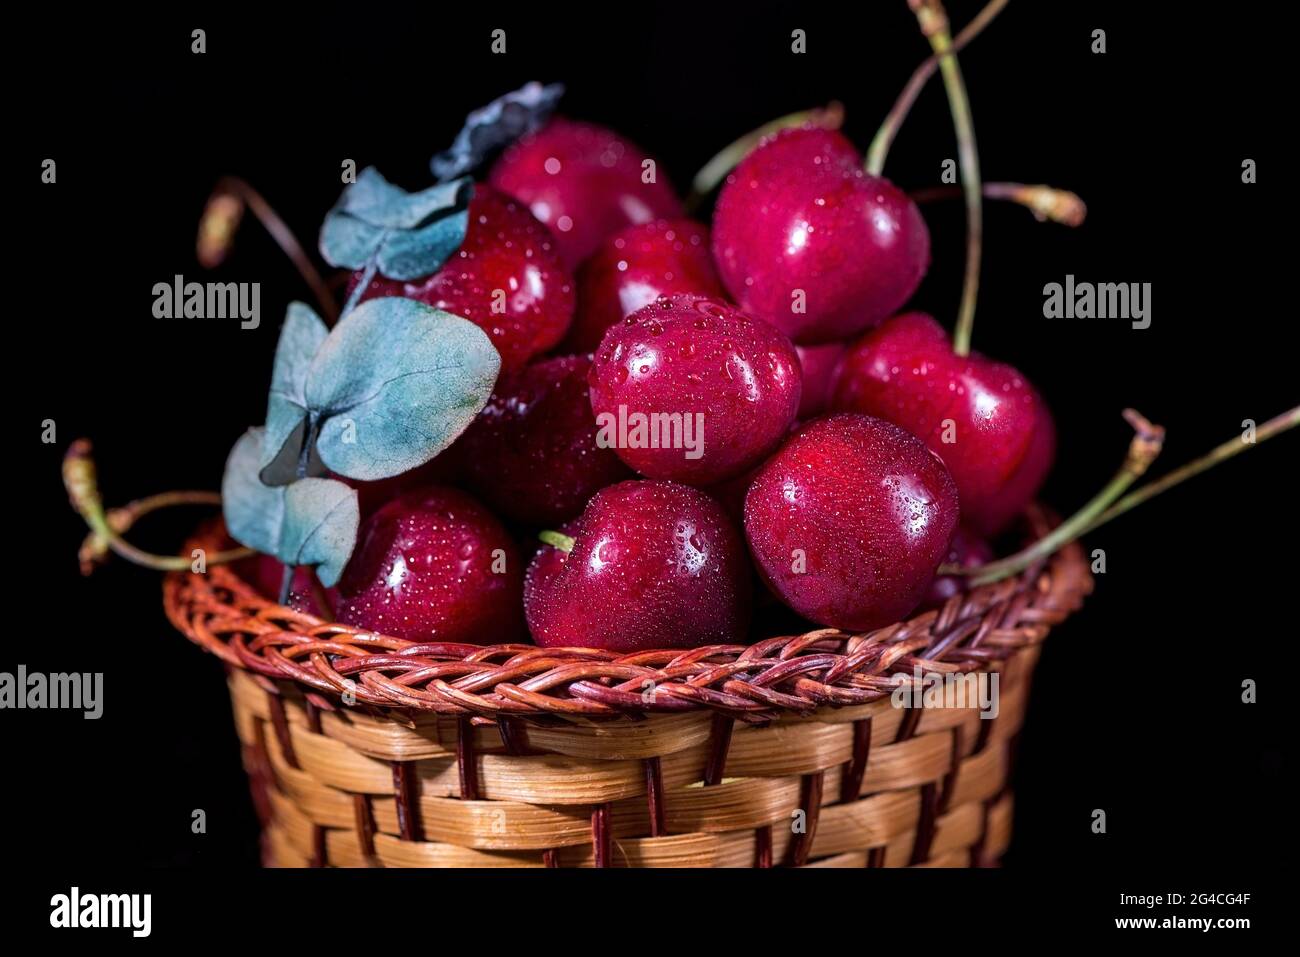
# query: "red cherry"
{"points": [[1001, 439], [265, 574], [849, 520], [653, 565], [821, 366], [584, 182], [965, 550], [508, 261], [434, 565], [633, 268], [734, 381], [808, 241], [531, 453]]}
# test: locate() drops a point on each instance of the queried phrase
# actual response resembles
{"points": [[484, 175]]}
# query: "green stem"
{"points": [[884, 139], [1142, 452], [82, 483], [1274, 426], [557, 539], [934, 24], [830, 117]]}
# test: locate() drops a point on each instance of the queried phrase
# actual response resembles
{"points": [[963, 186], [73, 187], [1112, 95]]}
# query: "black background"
{"points": [[1136, 707]]}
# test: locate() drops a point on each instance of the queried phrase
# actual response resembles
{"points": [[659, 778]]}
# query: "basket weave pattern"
{"points": [[364, 750]]}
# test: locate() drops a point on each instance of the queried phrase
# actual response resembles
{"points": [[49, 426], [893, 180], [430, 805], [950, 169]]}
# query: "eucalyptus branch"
{"points": [[367, 277], [304, 454]]}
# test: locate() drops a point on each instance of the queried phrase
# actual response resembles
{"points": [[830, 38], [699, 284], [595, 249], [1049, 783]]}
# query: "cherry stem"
{"points": [[829, 117], [1147, 442], [933, 21], [220, 221], [1274, 426], [557, 540], [1045, 202], [81, 480], [884, 139]]}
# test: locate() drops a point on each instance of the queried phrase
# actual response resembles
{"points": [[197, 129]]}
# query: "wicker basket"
{"points": [[363, 750]]}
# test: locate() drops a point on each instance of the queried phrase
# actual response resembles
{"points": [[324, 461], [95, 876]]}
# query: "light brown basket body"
{"points": [[491, 765]]}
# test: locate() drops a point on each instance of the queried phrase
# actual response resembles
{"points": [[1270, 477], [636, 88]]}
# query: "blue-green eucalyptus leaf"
{"points": [[377, 221], [498, 124], [369, 196], [286, 412], [413, 253], [347, 242], [311, 522], [254, 512], [395, 383], [321, 517], [374, 200]]}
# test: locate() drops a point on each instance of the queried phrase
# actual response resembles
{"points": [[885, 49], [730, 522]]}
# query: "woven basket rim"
{"points": [[337, 666]]}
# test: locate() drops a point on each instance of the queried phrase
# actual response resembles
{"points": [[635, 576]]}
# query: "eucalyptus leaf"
{"points": [[374, 200], [395, 383], [347, 242], [496, 125], [411, 253], [320, 526], [286, 412], [373, 216], [311, 522], [254, 512]]}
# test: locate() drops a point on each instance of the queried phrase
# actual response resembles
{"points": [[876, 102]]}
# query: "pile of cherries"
{"points": [[847, 451]]}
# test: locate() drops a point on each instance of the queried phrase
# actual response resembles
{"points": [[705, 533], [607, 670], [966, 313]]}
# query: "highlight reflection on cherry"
{"points": [[807, 240]]}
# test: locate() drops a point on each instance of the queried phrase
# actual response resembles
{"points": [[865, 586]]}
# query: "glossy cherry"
{"points": [[434, 565], [653, 565], [965, 550], [507, 278], [585, 182], [531, 453], [848, 521], [821, 366], [633, 268], [985, 419], [711, 367], [807, 240]]}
